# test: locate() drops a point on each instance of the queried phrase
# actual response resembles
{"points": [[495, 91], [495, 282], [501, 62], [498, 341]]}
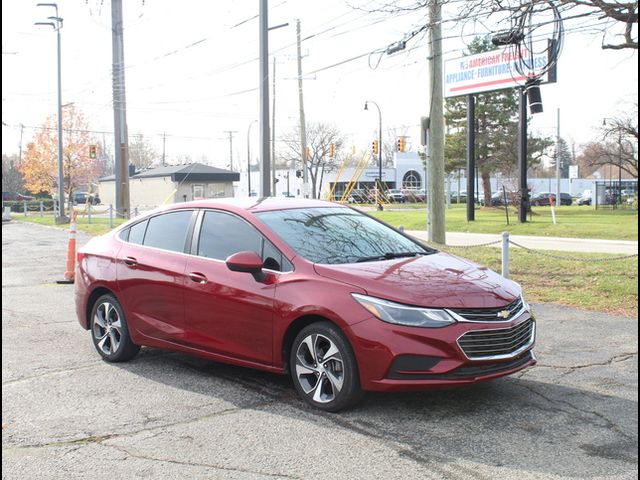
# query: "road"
{"points": [[68, 415]]}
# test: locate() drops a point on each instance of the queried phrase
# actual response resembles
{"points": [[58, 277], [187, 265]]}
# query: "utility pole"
{"points": [[303, 126], [436, 145], [471, 158], [21, 132], [120, 113], [264, 99], [230, 132], [164, 142], [273, 133], [522, 157], [558, 170]]}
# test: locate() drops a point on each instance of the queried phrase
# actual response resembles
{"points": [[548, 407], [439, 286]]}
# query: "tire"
{"points": [[109, 330], [330, 385]]}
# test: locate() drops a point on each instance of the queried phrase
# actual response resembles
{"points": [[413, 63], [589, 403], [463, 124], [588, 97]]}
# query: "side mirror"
{"points": [[248, 262]]}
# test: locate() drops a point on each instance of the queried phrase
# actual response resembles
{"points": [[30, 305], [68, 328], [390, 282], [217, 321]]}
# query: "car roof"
{"points": [[256, 205]]}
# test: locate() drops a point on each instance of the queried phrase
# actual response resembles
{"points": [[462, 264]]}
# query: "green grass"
{"points": [[600, 286], [574, 221], [98, 225]]}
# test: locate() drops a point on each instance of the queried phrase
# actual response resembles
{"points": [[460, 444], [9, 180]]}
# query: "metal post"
{"points": [[110, 215], [379, 190], [62, 218], [41, 209], [265, 154], [25, 207], [505, 254], [522, 158], [303, 127], [558, 170], [249, 158], [89, 213], [471, 157]]}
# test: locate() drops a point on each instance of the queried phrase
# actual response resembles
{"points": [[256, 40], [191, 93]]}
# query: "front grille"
{"points": [[490, 314], [500, 343]]}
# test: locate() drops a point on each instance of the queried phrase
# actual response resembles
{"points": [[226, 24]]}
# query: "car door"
{"points": [[150, 274], [230, 313]]}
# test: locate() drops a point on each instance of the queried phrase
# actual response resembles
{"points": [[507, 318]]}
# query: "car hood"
{"points": [[439, 280]]}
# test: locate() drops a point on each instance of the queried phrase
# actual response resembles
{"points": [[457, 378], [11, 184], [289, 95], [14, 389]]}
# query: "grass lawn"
{"points": [[602, 286], [574, 221], [98, 225]]}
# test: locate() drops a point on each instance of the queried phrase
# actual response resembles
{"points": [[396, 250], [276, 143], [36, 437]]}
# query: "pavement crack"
{"points": [[139, 456], [609, 424], [50, 372], [621, 357]]}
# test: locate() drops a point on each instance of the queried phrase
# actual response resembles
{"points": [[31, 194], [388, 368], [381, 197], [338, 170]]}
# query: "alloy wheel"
{"points": [[107, 328], [319, 368]]}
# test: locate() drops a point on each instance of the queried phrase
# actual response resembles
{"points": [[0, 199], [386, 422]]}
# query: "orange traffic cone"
{"points": [[70, 274]]}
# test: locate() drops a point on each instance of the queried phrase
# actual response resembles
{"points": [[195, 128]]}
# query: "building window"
{"points": [[412, 179], [198, 192]]}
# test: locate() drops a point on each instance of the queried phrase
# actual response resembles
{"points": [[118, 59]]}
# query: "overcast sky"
{"points": [[192, 71]]}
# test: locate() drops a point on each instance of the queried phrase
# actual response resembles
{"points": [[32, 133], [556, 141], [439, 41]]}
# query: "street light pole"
{"points": [[57, 26], [366, 107], [249, 158]]}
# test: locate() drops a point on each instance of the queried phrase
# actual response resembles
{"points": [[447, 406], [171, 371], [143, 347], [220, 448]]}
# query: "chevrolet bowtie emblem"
{"points": [[504, 314]]}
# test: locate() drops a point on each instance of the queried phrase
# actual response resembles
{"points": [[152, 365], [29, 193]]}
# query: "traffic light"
{"points": [[93, 151], [400, 144], [298, 173], [375, 147], [332, 150]]}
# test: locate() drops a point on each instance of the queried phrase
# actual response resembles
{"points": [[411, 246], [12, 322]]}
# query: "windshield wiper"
{"points": [[390, 256]]}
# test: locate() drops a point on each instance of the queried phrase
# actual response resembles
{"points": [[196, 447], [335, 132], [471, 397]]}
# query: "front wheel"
{"points": [[109, 330], [324, 369]]}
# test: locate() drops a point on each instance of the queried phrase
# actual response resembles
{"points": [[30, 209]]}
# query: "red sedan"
{"points": [[337, 299]]}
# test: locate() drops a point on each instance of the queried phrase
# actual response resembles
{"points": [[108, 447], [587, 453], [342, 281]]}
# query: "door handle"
{"points": [[198, 278], [132, 262]]}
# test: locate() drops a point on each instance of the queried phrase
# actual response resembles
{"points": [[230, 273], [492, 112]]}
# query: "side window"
{"points": [[273, 259], [223, 234], [136, 232], [167, 231]]}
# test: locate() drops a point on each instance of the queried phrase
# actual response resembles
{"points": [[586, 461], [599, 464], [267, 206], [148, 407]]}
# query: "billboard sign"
{"points": [[493, 70]]}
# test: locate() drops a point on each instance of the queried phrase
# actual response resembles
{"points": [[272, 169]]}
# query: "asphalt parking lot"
{"points": [[67, 414]]}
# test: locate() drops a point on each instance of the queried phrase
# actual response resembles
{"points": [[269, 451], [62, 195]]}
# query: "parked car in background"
{"points": [[80, 198], [414, 195], [16, 197], [395, 195], [584, 200], [358, 195], [334, 298], [544, 199]]}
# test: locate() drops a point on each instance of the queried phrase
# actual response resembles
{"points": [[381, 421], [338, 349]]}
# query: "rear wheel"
{"points": [[324, 369], [109, 330]]}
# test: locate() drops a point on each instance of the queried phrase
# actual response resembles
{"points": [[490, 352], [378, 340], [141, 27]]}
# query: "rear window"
{"points": [[136, 232], [167, 231]]}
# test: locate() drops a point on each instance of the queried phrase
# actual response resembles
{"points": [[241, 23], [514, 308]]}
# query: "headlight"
{"points": [[404, 315]]}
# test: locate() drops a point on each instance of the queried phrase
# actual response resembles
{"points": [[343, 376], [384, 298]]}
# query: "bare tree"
{"points": [[11, 177], [320, 137], [141, 152], [610, 18], [618, 143]]}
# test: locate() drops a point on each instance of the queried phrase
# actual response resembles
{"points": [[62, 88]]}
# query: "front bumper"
{"points": [[398, 358]]}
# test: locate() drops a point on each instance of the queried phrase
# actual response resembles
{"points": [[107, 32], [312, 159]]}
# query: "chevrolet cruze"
{"points": [[333, 297]]}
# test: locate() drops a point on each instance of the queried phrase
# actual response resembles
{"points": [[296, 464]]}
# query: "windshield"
{"points": [[339, 235]]}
